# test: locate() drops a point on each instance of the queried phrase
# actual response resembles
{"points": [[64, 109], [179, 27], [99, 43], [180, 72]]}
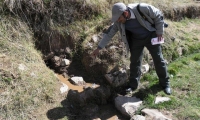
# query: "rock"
{"points": [[65, 75], [56, 61], [65, 62], [78, 81], [117, 78], [154, 114], [145, 68], [64, 88], [137, 117], [127, 105], [109, 78], [62, 69], [95, 38], [98, 96], [173, 38], [49, 56], [67, 50], [161, 99]]}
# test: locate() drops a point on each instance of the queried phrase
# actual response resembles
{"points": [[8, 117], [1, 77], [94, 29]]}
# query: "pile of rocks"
{"points": [[87, 102], [58, 61]]}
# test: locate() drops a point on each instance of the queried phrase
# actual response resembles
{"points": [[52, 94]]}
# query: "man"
{"points": [[136, 33]]}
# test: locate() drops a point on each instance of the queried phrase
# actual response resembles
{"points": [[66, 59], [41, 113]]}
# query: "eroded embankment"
{"points": [[50, 22]]}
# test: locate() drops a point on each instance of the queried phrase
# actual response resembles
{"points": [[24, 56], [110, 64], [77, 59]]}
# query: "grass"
{"points": [[185, 83], [186, 37], [24, 93]]}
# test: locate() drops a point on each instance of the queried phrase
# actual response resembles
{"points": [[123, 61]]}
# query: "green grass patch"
{"points": [[185, 83]]}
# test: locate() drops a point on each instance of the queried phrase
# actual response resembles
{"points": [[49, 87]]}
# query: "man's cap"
{"points": [[117, 10]]}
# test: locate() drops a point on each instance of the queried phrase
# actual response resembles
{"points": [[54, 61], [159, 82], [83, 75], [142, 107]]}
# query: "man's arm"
{"points": [[111, 31], [107, 37]]}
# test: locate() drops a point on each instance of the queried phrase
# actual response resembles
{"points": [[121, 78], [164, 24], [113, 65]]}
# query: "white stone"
{"points": [[66, 62], [127, 105], [21, 67], [145, 68], [154, 114], [161, 99], [78, 81], [95, 38], [138, 117], [64, 88], [113, 47]]}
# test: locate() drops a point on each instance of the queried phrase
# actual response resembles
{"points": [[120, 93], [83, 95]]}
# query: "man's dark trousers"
{"points": [[136, 49]]}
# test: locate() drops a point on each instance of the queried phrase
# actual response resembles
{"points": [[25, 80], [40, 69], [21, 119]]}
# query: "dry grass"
{"points": [[23, 91]]}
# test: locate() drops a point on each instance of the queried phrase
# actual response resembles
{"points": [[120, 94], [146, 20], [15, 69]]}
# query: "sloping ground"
{"points": [[27, 87]]}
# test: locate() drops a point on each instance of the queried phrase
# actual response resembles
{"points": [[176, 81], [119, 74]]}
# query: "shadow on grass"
{"points": [[57, 113], [141, 92], [144, 92]]}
